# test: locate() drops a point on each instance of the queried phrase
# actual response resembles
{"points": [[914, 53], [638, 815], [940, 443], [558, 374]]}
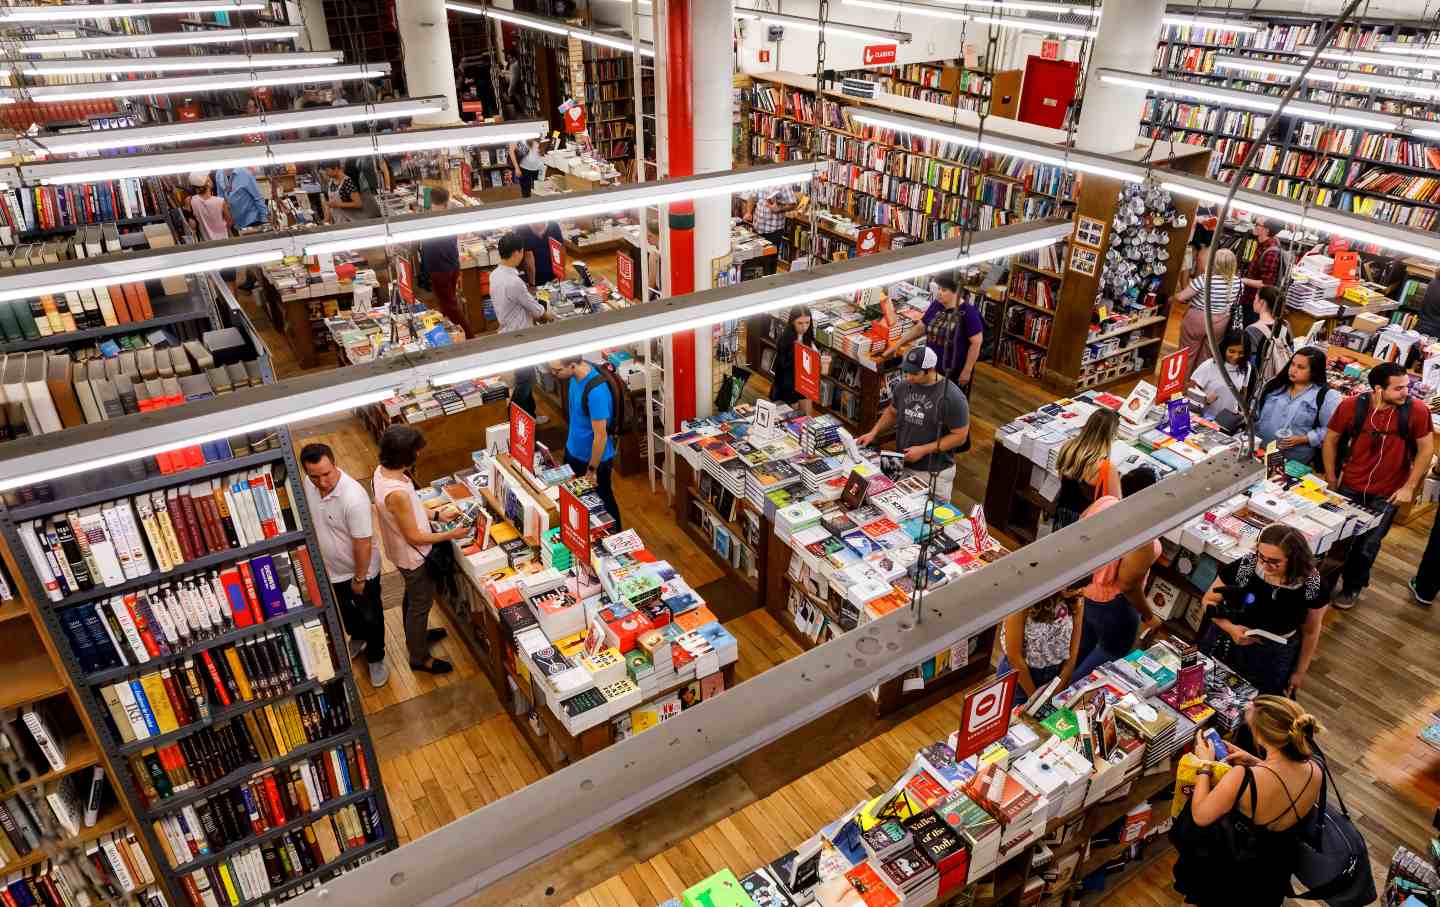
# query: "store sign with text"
{"points": [[575, 119], [876, 54], [574, 525], [557, 258], [625, 274], [867, 241], [522, 437], [807, 371], [985, 716], [1171, 375], [1050, 49]]}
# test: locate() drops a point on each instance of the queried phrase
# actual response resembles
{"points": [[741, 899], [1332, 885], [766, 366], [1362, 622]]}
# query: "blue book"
{"points": [[144, 704], [267, 586], [344, 773], [79, 638]]}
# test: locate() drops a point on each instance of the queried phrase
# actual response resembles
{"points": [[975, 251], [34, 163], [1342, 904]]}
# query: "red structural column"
{"points": [[680, 145]]}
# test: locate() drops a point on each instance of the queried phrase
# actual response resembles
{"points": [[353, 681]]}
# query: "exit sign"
{"points": [[1050, 49], [876, 54]]}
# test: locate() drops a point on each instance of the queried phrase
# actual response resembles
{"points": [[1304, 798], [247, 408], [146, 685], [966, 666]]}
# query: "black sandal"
{"points": [[437, 666]]}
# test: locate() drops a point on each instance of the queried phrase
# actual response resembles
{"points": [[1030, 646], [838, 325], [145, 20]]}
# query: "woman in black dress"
{"points": [[798, 329], [1266, 611]]}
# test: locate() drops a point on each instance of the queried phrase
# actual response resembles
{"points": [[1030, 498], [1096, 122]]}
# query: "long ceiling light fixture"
{"points": [[85, 170], [72, 12], [192, 38], [122, 268], [1031, 6], [1231, 25], [1080, 161], [1263, 103], [1419, 50], [224, 127], [1327, 76], [805, 23], [901, 7], [552, 26], [178, 64], [1363, 58], [432, 225], [85, 91]]}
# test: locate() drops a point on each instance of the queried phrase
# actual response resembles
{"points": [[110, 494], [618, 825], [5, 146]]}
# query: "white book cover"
{"points": [[40, 729], [170, 599], [162, 615], [185, 608], [132, 709], [115, 530], [112, 573], [312, 790], [192, 819], [302, 645], [123, 878], [94, 796], [65, 805], [134, 538], [47, 417], [1137, 405], [209, 595], [242, 515], [39, 561], [131, 631], [142, 865], [320, 650], [146, 511], [340, 776]]}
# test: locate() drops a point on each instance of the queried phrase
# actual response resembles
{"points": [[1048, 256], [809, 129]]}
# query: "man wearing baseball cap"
{"points": [[931, 418]]}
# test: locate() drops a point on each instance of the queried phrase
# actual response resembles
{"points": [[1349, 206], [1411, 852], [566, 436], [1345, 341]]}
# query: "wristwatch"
{"points": [[1205, 770]]}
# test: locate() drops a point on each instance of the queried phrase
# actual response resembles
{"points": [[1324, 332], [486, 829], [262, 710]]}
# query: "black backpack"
{"points": [[1362, 410], [621, 421]]}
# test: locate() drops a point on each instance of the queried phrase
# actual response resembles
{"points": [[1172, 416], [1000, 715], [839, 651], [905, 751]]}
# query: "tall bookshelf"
{"points": [[1376, 173], [187, 772], [610, 103], [951, 84]]}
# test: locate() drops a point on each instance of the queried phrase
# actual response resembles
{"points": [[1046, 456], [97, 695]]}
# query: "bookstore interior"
{"points": [[467, 452]]}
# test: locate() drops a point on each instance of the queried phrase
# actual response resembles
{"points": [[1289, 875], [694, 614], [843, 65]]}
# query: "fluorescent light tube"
{"points": [[831, 28], [1037, 25], [1083, 162], [1263, 103], [1328, 76], [553, 26], [72, 12], [84, 170], [228, 127], [1362, 58], [934, 261], [192, 38], [902, 7], [1230, 25], [30, 283], [1419, 50], [417, 227], [1032, 6], [85, 91], [299, 415], [179, 64]]}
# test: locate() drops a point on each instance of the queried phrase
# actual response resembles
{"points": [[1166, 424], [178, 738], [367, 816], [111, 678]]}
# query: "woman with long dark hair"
{"points": [[1295, 407], [799, 328]]}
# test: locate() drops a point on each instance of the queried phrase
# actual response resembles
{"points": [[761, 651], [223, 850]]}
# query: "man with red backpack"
{"points": [[1377, 449], [594, 407]]}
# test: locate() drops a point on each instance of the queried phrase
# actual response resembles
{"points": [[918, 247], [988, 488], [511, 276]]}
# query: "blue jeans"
{"points": [[1041, 676], [1108, 633], [1363, 550]]}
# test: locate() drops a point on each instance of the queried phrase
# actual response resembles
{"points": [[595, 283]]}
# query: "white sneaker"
{"points": [[379, 674], [357, 648]]}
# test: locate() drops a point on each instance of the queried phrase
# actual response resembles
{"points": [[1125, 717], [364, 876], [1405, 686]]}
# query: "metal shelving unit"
{"points": [[82, 491], [179, 309]]}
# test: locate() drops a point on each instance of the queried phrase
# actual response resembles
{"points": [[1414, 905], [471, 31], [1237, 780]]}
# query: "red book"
{"points": [[182, 528], [142, 626], [272, 793], [178, 702], [300, 558], [209, 524], [329, 758], [192, 891], [926, 789], [219, 684], [235, 596], [359, 760], [192, 522], [267, 523], [252, 600]]}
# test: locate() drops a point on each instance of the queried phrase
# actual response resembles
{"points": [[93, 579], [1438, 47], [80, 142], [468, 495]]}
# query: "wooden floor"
{"points": [[446, 747]]}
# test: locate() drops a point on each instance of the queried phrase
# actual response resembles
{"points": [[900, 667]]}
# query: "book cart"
{"points": [[84, 687]]}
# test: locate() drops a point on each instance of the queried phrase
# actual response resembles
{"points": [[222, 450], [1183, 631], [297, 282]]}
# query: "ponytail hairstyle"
{"points": [[1080, 457], [1278, 721]]}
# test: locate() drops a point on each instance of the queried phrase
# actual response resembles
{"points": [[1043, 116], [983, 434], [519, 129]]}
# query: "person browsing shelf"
{"points": [[1296, 406], [766, 209], [589, 442], [247, 206], [1083, 463], [538, 266], [931, 419], [515, 310], [343, 203], [527, 164], [799, 328], [1042, 642], [952, 326], [345, 525], [1220, 401], [405, 532], [1270, 342], [1377, 449], [1271, 795], [1115, 604], [1268, 265], [440, 257], [1216, 304], [212, 214], [1266, 612]]}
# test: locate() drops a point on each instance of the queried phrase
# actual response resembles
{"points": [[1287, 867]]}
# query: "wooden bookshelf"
{"points": [[687, 494]]}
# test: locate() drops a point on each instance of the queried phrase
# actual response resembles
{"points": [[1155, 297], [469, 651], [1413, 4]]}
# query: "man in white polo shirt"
{"points": [[344, 523]]}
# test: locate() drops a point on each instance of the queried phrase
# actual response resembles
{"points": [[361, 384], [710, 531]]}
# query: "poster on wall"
{"points": [[1089, 231], [1084, 261], [807, 371]]}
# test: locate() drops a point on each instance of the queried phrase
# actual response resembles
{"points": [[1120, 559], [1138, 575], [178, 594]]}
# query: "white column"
{"points": [[316, 35], [429, 68], [1128, 35]]}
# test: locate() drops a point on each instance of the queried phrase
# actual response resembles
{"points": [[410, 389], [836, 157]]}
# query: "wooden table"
{"points": [[449, 439]]}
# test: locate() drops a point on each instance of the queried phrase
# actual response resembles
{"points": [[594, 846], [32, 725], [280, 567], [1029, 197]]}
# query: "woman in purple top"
{"points": [[953, 328]]}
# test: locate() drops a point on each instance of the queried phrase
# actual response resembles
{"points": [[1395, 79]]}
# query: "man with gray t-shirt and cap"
{"points": [[931, 418]]}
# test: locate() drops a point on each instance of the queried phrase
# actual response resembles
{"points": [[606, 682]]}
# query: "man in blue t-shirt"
{"points": [[589, 448]]}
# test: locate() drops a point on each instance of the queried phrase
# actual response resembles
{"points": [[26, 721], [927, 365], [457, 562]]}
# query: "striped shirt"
{"points": [[1222, 294]]}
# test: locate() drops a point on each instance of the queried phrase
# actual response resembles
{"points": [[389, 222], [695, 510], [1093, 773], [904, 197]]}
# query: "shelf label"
{"points": [[876, 54], [522, 437], [625, 274], [557, 258], [574, 525], [1173, 369], [985, 716], [807, 371]]}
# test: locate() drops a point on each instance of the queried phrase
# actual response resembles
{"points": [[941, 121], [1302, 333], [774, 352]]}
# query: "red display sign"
{"points": [[522, 437], [985, 716], [867, 241], [876, 54], [1049, 49], [1172, 372], [625, 274], [575, 119], [574, 525], [764, 56], [405, 277], [472, 107], [807, 371], [557, 258]]}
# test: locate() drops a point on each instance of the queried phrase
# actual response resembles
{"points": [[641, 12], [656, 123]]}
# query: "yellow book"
{"points": [[154, 688], [232, 894], [242, 680], [267, 752], [280, 738], [167, 527], [165, 844]]}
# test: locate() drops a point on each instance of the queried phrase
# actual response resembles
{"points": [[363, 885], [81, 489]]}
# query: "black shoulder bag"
{"points": [[1331, 858]]}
